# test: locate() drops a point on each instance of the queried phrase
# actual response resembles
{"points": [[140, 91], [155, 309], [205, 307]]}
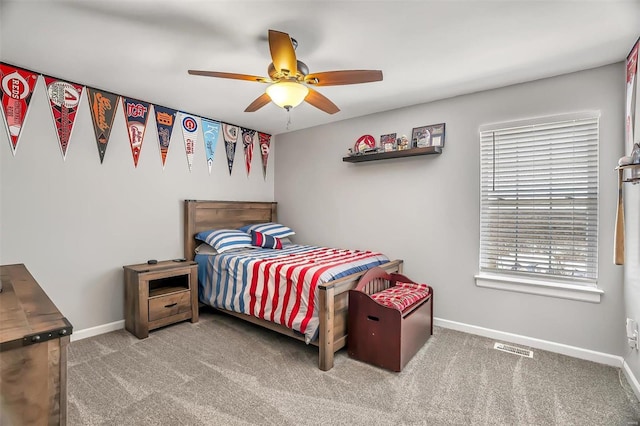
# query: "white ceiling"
{"points": [[427, 50]]}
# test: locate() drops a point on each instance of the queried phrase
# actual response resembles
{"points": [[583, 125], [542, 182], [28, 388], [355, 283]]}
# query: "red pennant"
{"points": [[64, 98], [136, 114], [265, 142], [17, 87]]}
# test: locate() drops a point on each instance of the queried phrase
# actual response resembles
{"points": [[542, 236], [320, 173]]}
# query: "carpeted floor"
{"points": [[223, 371]]}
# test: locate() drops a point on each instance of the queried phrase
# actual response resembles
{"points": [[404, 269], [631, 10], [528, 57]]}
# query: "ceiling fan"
{"points": [[290, 80]]}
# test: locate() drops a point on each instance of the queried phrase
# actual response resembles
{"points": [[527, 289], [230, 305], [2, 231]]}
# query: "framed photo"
{"points": [[388, 142], [431, 135]]}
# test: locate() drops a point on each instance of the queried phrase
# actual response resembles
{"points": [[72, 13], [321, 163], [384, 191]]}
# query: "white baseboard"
{"points": [[545, 345], [94, 331], [633, 382]]}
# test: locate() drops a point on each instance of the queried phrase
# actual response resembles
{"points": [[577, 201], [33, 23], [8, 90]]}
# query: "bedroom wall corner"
{"points": [[426, 209], [74, 223]]}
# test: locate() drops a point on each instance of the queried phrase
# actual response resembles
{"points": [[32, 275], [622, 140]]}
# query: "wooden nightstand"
{"points": [[159, 295]]}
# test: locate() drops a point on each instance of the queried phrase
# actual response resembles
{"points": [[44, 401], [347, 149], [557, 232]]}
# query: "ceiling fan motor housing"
{"points": [[303, 70]]}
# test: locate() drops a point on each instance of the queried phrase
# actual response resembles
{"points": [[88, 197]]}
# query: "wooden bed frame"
{"points": [[332, 298]]}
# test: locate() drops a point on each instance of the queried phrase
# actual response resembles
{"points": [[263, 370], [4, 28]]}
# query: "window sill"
{"points": [[539, 287]]}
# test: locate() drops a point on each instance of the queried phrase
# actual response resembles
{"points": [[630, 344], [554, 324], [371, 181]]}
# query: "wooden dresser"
{"points": [[33, 352]]}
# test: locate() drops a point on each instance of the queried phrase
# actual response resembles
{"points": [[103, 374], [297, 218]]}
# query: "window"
{"points": [[539, 200]]}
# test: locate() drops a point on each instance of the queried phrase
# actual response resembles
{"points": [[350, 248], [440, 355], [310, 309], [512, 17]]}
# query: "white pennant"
{"points": [[190, 125]]}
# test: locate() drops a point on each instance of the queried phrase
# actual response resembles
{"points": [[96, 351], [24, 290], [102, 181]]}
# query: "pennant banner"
{"points": [[247, 142], [17, 88], [103, 107], [190, 135], [136, 114], [165, 117], [230, 135], [210, 130], [64, 98], [265, 142]]}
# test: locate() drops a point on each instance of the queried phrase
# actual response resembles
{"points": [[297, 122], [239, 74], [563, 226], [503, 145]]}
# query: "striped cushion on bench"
{"points": [[402, 295]]}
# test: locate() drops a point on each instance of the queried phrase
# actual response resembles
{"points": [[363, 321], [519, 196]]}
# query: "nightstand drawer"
{"points": [[169, 305]]}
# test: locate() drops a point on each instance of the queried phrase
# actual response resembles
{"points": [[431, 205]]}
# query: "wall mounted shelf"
{"points": [[630, 178], [430, 150]]}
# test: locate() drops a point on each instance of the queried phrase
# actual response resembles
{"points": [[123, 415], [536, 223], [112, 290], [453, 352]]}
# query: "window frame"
{"points": [[542, 284]]}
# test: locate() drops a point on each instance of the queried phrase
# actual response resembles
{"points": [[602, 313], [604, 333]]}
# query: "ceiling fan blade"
{"points": [[231, 75], [338, 78], [321, 102], [261, 101], [283, 54]]}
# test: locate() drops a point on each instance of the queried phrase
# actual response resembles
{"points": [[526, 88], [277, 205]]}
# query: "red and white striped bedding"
{"points": [[280, 286]]}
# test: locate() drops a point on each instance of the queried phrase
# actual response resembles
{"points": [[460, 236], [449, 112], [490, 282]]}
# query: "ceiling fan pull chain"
{"points": [[288, 118]]}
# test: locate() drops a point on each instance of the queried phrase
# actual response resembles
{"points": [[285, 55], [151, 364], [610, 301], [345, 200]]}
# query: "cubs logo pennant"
{"points": [[247, 142], [190, 135], [210, 130], [265, 142], [165, 117], [136, 114], [103, 107], [64, 98], [17, 86], [230, 135]]}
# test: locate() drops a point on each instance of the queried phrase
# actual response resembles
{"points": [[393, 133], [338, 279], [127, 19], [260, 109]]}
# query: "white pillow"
{"points": [[205, 248]]}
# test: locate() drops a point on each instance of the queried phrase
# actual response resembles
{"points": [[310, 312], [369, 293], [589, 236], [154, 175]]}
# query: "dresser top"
{"points": [[25, 309]]}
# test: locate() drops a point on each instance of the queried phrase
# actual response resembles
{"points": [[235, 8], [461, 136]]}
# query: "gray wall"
{"points": [[425, 210], [632, 267], [632, 261], [75, 223]]}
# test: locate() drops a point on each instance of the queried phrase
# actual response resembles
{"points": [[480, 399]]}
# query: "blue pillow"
{"points": [[225, 239], [270, 228], [265, 241]]}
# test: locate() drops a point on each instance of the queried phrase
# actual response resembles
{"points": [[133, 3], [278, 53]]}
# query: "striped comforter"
{"points": [[280, 286]]}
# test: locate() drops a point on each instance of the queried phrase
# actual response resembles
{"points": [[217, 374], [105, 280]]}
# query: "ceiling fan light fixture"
{"points": [[287, 94]]}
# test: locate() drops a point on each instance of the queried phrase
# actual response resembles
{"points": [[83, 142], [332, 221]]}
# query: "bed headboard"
{"points": [[203, 215]]}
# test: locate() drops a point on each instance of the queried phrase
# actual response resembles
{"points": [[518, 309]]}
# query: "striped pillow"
{"points": [[225, 239], [269, 228], [265, 241]]}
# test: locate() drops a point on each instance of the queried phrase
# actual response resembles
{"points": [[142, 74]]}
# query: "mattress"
{"points": [[279, 286]]}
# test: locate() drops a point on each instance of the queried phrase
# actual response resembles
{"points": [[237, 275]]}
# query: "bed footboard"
{"points": [[333, 312]]}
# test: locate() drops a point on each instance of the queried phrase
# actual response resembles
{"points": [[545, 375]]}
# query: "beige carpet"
{"points": [[222, 371]]}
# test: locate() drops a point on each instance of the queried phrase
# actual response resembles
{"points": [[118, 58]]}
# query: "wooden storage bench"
{"points": [[390, 319]]}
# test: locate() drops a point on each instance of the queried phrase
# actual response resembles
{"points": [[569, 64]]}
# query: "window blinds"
{"points": [[539, 199]]}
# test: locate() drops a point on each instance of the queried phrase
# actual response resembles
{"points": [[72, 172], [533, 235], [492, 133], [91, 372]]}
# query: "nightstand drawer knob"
{"points": [[171, 305]]}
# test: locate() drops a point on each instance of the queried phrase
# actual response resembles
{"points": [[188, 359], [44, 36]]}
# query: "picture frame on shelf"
{"points": [[426, 136], [387, 142]]}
